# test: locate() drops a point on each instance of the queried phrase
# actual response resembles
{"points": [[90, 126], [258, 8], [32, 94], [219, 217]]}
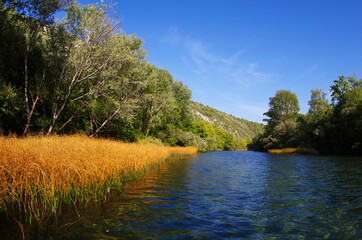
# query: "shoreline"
{"points": [[298, 151], [39, 175]]}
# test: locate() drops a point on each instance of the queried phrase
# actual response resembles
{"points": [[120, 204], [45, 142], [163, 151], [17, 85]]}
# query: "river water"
{"points": [[233, 195]]}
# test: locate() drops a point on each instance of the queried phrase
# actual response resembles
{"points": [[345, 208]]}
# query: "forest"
{"points": [[329, 128], [84, 75]]}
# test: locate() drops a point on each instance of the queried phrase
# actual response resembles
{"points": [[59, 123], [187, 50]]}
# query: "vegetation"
{"points": [[85, 75], [327, 127], [40, 174], [293, 151], [221, 131]]}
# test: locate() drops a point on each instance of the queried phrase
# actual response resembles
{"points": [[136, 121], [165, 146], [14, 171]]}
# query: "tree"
{"points": [[25, 32], [230, 143], [347, 115], [40, 17], [157, 97], [282, 122], [182, 114], [92, 55], [340, 90], [319, 106], [283, 106], [119, 97], [12, 41], [10, 105]]}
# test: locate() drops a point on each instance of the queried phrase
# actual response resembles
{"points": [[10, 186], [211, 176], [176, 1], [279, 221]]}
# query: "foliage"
{"points": [[319, 107], [283, 107], [83, 74], [222, 131], [240, 128], [329, 128], [9, 106], [346, 121]]}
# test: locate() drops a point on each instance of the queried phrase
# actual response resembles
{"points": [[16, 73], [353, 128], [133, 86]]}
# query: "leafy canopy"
{"points": [[283, 106]]}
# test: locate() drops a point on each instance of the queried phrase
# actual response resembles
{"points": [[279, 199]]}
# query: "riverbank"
{"points": [[40, 174], [301, 151]]}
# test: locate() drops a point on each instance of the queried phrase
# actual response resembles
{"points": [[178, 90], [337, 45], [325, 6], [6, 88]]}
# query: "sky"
{"points": [[235, 54]]}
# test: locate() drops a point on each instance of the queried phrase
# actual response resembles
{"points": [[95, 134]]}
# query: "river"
{"points": [[233, 195]]}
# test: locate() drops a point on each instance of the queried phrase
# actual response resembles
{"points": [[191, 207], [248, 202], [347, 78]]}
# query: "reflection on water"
{"points": [[240, 195]]}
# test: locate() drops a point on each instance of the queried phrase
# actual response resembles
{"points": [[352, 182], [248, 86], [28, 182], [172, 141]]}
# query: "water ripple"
{"points": [[235, 195]]}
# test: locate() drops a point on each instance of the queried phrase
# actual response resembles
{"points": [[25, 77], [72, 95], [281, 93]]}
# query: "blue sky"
{"points": [[235, 54]]}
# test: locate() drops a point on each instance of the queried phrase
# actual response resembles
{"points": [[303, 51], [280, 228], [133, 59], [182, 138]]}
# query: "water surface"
{"points": [[233, 195]]}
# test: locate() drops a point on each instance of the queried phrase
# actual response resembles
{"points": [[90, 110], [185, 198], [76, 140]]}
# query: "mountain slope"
{"points": [[238, 127]]}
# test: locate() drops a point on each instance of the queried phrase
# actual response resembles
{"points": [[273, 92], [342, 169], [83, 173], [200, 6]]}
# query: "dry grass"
{"points": [[283, 151], [182, 151], [293, 151], [275, 151], [38, 174]]}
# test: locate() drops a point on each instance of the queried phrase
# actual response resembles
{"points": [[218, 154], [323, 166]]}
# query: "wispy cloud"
{"points": [[172, 37], [211, 66], [249, 75], [226, 72]]}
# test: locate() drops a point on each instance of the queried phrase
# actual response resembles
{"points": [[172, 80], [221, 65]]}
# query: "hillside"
{"points": [[238, 127]]}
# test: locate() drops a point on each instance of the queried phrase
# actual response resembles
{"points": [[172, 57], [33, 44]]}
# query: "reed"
{"points": [[182, 151], [307, 151], [283, 151], [38, 174]]}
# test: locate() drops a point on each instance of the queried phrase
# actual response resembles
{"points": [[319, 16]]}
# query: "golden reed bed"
{"points": [[37, 173], [293, 151]]}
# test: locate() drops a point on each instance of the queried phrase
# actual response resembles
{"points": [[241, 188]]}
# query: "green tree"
{"points": [[92, 55], [282, 122], [118, 97], [346, 123], [40, 17], [340, 90], [182, 96], [25, 51], [157, 98], [319, 107], [282, 107], [230, 143]]}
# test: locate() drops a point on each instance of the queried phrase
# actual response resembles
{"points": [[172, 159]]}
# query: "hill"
{"points": [[239, 128]]}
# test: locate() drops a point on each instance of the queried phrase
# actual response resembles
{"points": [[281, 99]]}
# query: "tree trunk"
{"points": [[29, 112], [106, 121]]}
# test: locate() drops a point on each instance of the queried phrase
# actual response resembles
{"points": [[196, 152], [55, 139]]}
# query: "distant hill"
{"points": [[238, 127]]}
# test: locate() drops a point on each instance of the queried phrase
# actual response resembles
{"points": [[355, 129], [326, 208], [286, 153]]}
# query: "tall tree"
{"points": [[92, 54], [347, 115], [319, 106], [40, 16], [157, 98], [282, 107], [181, 116], [120, 96], [340, 90], [281, 122]]}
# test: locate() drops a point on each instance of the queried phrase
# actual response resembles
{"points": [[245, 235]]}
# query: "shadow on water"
{"points": [[222, 195]]}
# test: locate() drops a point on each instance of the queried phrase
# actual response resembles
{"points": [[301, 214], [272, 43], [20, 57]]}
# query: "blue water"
{"points": [[233, 195]]}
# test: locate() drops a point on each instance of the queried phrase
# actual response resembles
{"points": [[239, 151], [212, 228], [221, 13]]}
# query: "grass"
{"points": [[182, 151], [293, 151], [38, 174]]}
